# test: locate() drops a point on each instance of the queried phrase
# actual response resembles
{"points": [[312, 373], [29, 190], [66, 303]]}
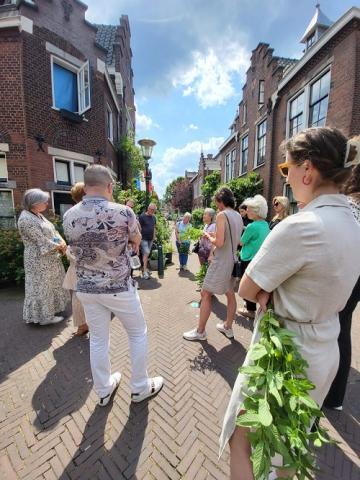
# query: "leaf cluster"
{"points": [[11, 256], [200, 275], [131, 156], [278, 408], [192, 234]]}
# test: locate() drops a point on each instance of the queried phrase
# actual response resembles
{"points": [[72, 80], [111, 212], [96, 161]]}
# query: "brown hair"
{"points": [[77, 192], [225, 195], [325, 147]]}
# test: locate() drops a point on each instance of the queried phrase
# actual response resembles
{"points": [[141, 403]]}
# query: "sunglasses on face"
{"points": [[276, 204], [284, 169]]}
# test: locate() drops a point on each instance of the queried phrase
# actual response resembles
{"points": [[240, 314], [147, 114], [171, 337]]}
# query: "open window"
{"points": [[70, 86]]}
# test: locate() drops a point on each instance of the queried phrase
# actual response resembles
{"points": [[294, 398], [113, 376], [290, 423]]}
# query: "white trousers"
{"points": [[127, 308]]}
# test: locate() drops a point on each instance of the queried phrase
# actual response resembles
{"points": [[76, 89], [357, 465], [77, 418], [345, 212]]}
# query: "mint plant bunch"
{"points": [[278, 408]]}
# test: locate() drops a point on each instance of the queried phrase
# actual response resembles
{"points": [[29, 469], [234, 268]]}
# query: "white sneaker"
{"points": [[105, 400], [146, 276], [155, 385], [228, 332], [194, 335], [273, 475], [55, 319], [185, 267]]}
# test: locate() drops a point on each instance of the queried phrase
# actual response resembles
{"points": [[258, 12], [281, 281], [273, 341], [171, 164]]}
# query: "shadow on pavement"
{"points": [[119, 461], [21, 342], [66, 386], [225, 361]]}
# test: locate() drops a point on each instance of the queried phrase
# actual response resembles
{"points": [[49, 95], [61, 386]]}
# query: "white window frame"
{"points": [[261, 92], [109, 125], [12, 199], [256, 164], [81, 87], [244, 115], [241, 172], [3, 155], [313, 81], [306, 90], [71, 168], [227, 163], [232, 162]]}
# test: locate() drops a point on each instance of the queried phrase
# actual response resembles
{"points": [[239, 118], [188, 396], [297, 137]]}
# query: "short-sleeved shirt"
{"points": [[252, 239], [311, 262], [183, 227], [98, 233], [147, 223]]}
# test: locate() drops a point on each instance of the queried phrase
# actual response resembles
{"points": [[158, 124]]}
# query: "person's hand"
{"points": [[135, 247], [263, 299]]}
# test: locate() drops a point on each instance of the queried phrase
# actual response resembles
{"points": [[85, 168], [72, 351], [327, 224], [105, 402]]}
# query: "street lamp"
{"points": [[146, 150]]}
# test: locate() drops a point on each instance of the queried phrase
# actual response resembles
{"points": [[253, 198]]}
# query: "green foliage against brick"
{"points": [[11, 256], [197, 217], [278, 408], [209, 187], [245, 187]]}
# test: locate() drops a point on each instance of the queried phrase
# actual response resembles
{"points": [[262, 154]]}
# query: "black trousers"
{"points": [[250, 306], [335, 397]]}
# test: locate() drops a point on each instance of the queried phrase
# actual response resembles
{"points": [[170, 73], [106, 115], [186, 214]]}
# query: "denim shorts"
{"points": [[146, 246]]}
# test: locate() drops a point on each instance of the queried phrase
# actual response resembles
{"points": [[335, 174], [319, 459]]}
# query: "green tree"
{"points": [[170, 190], [209, 187], [245, 187], [132, 160], [197, 217]]}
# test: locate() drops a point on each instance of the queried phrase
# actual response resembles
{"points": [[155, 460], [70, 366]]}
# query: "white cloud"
{"points": [[192, 126], [175, 161], [211, 76], [143, 122]]}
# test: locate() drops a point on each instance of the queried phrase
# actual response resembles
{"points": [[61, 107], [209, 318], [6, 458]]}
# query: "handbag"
{"points": [[196, 247], [236, 272]]}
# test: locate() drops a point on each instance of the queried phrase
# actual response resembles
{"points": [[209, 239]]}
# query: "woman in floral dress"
{"points": [[44, 272]]}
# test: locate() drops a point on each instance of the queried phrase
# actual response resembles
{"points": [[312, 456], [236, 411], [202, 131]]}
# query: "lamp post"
{"points": [[146, 150]]}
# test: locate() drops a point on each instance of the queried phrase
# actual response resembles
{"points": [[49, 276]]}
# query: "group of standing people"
{"points": [[306, 264]]}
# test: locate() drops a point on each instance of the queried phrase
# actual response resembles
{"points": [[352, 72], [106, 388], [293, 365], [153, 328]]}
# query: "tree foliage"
{"points": [[179, 194], [197, 217], [245, 187], [209, 187], [133, 161]]}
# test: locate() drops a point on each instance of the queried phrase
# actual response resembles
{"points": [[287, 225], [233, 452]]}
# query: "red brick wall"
{"points": [[342, 54], [12, 121]]}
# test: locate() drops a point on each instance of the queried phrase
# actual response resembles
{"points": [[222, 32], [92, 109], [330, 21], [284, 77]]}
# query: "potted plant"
{"points": [[168, 250], [153, 260]]}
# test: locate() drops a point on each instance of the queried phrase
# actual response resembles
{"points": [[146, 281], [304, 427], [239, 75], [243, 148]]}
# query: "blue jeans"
{"points": [[183, 257]]}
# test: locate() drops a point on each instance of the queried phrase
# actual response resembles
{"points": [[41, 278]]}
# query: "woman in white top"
{"points": [[309, 265]]}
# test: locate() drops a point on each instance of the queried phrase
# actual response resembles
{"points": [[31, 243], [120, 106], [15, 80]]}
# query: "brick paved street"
{"points": [[51, 428]]}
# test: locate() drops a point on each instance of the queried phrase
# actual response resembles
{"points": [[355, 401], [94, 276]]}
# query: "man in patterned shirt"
{"points": [[99, 232]]}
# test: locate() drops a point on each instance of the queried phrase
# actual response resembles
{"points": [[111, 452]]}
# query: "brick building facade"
{"points": [[282, 96], [66, 97], [207, 165]]}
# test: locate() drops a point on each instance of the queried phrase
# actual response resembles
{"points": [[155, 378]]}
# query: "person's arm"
{"points": [[274, 263], [154, 234], [134, 233], [218, 238], [31, 231], [248, 234]]}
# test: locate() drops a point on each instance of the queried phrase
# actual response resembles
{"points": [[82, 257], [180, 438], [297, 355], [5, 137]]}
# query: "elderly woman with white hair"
{"points": [[252, 239], [44, 271], [182, 244], [205, 246]]}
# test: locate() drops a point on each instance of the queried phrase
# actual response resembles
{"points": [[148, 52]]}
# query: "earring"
{"points": [[306, 182]]}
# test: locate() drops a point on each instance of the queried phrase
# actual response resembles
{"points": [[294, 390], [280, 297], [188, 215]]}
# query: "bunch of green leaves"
{"points": [[131, 156], [184, 247], [197, 217], [209, 187], [245, 187], [192, 234], [11, 256], [200, 275], [163, 231], [278, 408]]}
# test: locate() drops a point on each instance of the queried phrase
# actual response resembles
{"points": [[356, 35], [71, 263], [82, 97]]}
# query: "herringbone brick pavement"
{"points": [[51, 428]]}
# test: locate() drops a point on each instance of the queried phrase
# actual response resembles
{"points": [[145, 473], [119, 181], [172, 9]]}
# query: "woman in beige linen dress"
{"points": [[218, 279], [78, 314], [309, 264], [44, 271]]}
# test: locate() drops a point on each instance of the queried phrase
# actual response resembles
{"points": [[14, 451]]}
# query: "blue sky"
{"points": [[190, 59]]}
